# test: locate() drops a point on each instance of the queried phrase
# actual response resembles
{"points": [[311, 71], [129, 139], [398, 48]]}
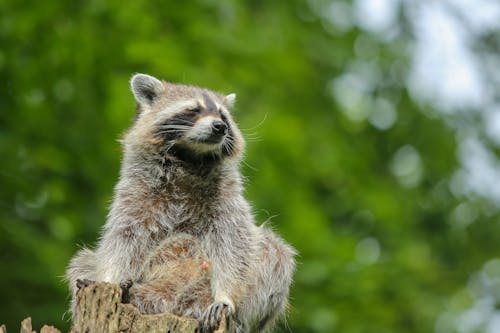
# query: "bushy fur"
{"points": [[180, 184], [176, 279]]}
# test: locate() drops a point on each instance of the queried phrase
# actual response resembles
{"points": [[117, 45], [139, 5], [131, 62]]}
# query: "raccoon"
{"points": [[180, 177]]}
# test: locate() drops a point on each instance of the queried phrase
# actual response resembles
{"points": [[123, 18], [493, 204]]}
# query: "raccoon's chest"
{"points": [[192, 212], [190, 200]]}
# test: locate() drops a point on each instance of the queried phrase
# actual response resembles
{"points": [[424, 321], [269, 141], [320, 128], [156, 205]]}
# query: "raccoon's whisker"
{"points": [[229, 145], [228, 142], [174, 126], [250, 138], [169, 146], [255, 140], [250, 166], [256, 126], [170, 131], [179, 122], [251, 134]]}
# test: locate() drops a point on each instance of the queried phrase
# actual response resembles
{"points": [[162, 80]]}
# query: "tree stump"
{"points": [[99, 309]]}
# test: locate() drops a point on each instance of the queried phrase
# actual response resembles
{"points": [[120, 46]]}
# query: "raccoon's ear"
{"points": [[145, 88], [229, 100]]}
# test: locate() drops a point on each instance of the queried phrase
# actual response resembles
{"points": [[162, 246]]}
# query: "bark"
{"points": [[99, 309]]}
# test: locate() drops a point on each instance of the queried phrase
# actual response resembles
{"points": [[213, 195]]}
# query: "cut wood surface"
{"points": [[99, 309]]}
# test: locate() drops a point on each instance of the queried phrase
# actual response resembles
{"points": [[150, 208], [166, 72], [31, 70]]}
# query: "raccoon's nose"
{"points": [[219, 127]]}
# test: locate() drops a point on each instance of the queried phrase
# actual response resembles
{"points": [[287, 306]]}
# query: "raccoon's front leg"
{"points": [[122, 251], [231, 271]]}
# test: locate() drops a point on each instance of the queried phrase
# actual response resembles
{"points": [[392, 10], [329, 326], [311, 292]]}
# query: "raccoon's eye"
{"points": [[195, 110]]}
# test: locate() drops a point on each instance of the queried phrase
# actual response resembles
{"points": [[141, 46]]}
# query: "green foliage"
{"points": [[379, 251]]}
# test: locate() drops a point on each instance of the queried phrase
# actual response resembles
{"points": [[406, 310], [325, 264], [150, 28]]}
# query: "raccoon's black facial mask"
{"points": [[198, 131], [174, 128]]}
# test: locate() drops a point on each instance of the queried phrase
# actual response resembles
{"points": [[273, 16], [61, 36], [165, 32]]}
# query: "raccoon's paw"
{"points": [[83, 283], [212, 317]]}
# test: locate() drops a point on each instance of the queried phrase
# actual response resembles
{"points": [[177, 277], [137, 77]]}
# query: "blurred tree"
{"points": [[351, 166]]}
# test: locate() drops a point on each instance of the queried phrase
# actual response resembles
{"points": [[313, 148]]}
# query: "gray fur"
{"points": [[175, 279], [145, 88], [230, 100], [159, 196]]}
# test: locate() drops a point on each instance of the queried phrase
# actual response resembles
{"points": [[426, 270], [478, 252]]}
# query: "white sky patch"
{"points": [[338, 14], [376, 15], [473, 319], [491, 120], [444, 71], [480, 15], [481, 168], [494, 323]]}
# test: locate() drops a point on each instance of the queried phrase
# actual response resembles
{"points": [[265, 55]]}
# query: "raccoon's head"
{"points": [[187, 123]]}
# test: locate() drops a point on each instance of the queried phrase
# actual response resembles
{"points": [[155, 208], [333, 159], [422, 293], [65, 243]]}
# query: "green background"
{"points": [[385, 244]]}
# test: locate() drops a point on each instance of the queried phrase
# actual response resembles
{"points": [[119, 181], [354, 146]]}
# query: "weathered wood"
{"points": [[26, 326], [99, 309], [49, 329]]}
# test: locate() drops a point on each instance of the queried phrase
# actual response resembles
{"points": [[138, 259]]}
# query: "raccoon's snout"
{"points": [[219, 128]]}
